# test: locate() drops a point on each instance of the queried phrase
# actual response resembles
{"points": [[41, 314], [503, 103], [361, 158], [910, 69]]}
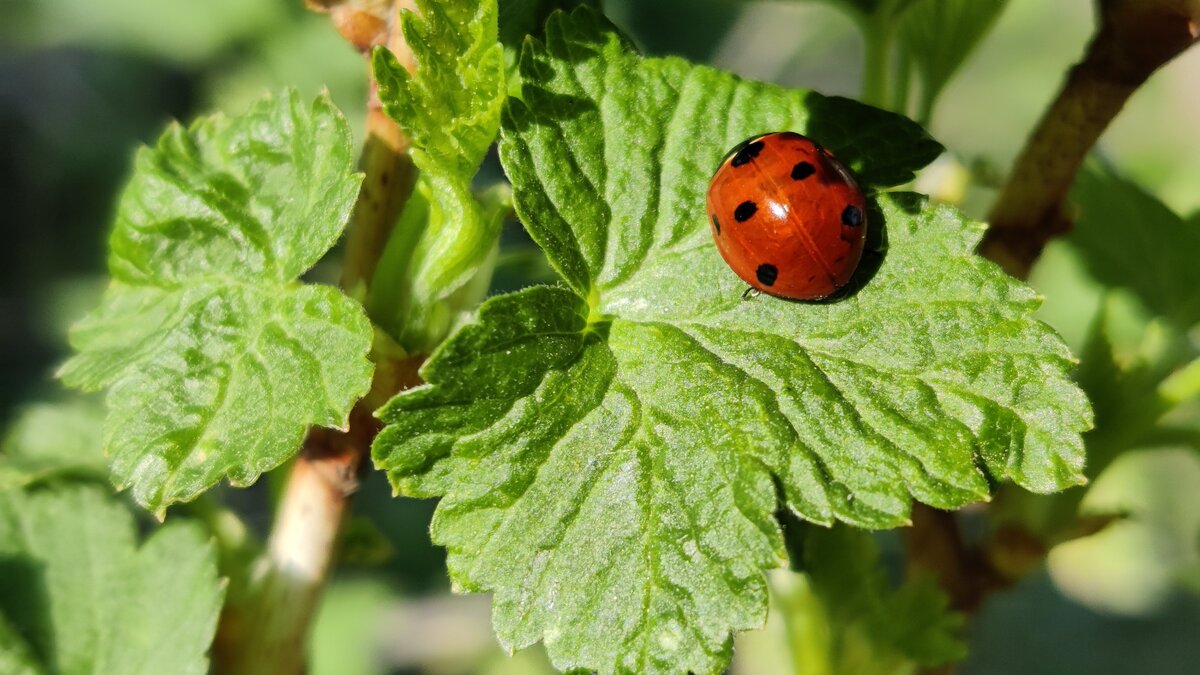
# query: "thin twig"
{"points": [[387, 167], [936, 546], [1134, 38], [266, 630]]}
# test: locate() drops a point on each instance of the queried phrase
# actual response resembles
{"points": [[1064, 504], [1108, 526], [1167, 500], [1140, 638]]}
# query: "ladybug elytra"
{"points": [[787, 216]]}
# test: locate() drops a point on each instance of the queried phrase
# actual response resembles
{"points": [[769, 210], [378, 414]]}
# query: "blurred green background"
{"points": [[83, 82]]}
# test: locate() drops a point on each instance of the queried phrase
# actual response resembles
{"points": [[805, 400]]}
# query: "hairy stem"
{"points": [[265, 630], [1134, 38]]}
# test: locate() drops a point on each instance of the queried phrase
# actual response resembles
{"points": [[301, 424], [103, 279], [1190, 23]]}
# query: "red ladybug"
{"points": [[787, 217]]}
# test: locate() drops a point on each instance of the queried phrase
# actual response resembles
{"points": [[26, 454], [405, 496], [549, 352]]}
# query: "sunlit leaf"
{"points": [[216, 358], [450, 108], [610, 452]]}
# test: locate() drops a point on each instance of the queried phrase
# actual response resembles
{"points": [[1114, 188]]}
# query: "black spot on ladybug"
{"points": [[744, 211], [802, 170], [747, 153], [852, 216], [716, 223], [839, 259], [767, 274], [812, 278]]}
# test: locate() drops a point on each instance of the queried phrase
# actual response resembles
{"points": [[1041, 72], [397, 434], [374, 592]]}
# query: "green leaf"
{"points": [[53, 439], [880, 8], [396, 302], [86, 598], [519, 18], [1135, 364], [450, 109], [1112, 276], [16, 657], [215, 357], [1120, 233], [876, 628], [938, 35], [1126, 388], [610, 453]]}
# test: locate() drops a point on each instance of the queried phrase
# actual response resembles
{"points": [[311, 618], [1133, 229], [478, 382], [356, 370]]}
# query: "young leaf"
{"points": [[1120, 234], [216, 359], [938, 35], [451, 111], [608, 452], [519, 18], [451, 107], [83, 597]]}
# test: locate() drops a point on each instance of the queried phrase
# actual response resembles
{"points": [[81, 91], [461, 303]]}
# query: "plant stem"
{"points": [[388, 169], [265, 630], [877, 47], [925, 105], [805, 623], [936, 546], [902, 83], [1134, 38]]}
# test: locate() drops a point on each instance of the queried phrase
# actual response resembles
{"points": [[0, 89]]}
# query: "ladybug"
{"points": [[787, 216]]}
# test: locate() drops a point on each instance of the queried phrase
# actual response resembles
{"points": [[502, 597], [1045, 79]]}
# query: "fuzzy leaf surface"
{"points": [[608, 451], [450, 108], [84, 596], [216, 358]]}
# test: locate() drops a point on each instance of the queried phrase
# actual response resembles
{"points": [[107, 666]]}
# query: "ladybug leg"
{"points": [[750, 292]]}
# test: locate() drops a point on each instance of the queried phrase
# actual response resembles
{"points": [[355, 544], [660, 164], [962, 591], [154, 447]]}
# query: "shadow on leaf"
{"points": [[24, 602]]}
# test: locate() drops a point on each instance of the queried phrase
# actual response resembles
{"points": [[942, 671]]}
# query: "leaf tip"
{"points": [[63, 374], [380, 56]]}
